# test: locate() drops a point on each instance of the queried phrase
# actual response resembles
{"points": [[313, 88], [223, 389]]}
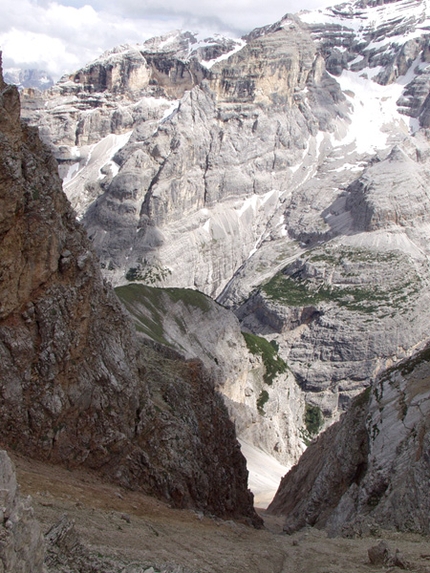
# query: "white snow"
{"points": [[118, 142], [237, 48], [96, 156], [252, 202], [265, 473], [174, 105], [374, 109], [73, 169], [371, 18]]}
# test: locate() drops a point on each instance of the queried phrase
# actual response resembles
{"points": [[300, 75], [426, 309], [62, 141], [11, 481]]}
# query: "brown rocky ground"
{"points": [[135, 532]]}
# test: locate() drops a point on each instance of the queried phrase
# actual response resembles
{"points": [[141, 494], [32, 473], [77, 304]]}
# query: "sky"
{"points": [[61, 36]]}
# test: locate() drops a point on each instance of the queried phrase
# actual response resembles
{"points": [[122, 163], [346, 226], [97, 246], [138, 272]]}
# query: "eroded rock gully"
{"points": [[75, 386], [91, 525]]}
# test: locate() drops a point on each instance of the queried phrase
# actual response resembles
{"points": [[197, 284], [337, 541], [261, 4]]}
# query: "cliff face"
{"points": [[295, 196], [371, 469], [176, 197], [260, 392], [75, 387]]}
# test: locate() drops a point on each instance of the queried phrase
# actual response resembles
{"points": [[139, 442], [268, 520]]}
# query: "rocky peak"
{"points": [[270, 68], [188, 45], [28, 78], [119, 70], [377, 43]]}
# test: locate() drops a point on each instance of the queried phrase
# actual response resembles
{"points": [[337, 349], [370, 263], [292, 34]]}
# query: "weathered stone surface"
{"points": [[197, 327], [263, 160], [196, 190], [372, 467], [22, 547]]}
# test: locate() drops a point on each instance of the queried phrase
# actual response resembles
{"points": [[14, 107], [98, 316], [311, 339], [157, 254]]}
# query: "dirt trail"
{"points": [[129, 527]]}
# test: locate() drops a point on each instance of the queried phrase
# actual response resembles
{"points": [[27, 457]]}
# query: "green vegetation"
{"points": [[362, 399], [189, 297], [314, 419], [261, 400], [273, 363], [148, 306], [293, 292], [148, 275], [145, 304], [298, 287]]}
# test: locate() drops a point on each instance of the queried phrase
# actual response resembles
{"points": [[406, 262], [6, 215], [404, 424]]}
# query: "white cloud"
{"points": [[62, 36]]}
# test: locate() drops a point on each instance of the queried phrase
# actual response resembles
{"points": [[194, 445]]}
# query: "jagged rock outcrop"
{"points": [[22, 547], [75, 387], [371, 469], [338, 321], [235, 139]]}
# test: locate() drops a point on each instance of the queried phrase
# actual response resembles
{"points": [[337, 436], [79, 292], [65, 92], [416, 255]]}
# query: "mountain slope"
{"points": [[288, 180], [76, 388], [371, 468]]}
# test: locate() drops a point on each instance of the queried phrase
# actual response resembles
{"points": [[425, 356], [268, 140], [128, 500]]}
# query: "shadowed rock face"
{"points": [[75, 386], [22, 548], [372, 467]]}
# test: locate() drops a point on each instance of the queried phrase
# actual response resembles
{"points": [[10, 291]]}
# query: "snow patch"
{"points": [[265, 473], [237, 48], [374, 108], [73, 169], [170, 110]]}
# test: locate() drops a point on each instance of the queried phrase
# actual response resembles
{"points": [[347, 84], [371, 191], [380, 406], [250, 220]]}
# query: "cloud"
{"points": [[62, 36]]}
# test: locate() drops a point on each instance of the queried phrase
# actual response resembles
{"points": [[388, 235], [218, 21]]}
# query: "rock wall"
{"points": [[22, 547], [75, 386], [371, 469]]}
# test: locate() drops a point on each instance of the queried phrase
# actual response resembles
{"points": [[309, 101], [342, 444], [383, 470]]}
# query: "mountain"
{"points": [[285, 174], [244, 367], [77, 387], [37, 79]]}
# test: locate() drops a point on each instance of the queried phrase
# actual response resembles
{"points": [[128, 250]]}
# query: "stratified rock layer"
{"points": [[295, 196], [197, 327]]}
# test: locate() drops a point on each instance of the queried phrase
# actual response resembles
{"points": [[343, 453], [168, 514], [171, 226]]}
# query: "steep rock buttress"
{"points": [[75, 385]]}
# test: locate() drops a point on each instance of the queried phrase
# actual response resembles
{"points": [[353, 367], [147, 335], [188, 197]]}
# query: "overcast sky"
{"points": [[62, 36]]}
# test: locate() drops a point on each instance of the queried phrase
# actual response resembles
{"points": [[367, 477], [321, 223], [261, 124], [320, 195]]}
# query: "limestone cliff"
{"points": [[75, 387], [288, 179], [371, 469]]}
